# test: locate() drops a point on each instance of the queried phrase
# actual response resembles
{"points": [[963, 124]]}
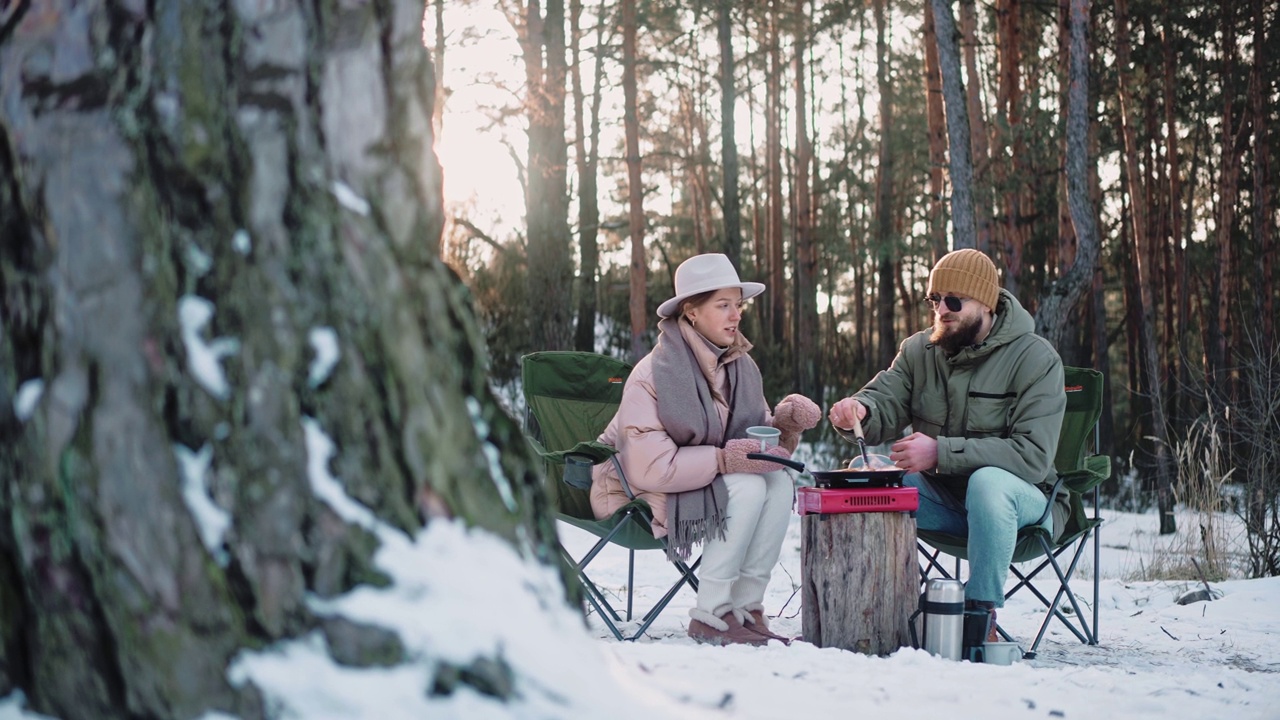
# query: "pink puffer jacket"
{"points": [[653, 463]]}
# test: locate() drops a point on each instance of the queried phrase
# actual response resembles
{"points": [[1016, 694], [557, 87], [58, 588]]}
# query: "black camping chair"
{"points": [[570, 397], [1079, 473]]}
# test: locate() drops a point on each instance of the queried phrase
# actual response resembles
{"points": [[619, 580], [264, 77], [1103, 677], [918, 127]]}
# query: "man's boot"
{"points": [[979, 628]]}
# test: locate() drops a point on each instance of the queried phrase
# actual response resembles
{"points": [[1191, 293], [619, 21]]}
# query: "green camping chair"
{"points": [[570, 397], [1078, 474]]}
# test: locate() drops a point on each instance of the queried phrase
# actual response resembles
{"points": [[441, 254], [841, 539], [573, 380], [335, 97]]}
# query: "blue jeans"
{"points": [[996, 505]]}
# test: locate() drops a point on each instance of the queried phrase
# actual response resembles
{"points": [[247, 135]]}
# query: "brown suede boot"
{"points": [[709, 632], [757, 622]]}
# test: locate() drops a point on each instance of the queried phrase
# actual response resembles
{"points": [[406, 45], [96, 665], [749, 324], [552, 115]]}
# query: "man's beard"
{"points": [[954, 339]]}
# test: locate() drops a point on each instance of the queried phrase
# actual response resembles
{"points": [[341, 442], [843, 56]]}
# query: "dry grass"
{"points": [[1200, 549]]}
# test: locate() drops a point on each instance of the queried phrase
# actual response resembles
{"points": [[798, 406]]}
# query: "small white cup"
{"points": [[1001, 653], [768, 436]]}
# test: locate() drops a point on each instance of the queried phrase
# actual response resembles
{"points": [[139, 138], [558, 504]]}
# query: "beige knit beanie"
{"points": [[966, 272]]}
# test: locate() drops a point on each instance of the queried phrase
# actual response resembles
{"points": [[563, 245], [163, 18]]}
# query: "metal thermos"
{"points": [[944, 618]]}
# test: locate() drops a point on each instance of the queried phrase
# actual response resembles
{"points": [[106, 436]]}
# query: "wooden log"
{"points": [[860, 580]]}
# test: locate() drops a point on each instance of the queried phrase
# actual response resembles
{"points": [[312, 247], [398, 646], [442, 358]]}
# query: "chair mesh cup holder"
{"points": [[577, 470]]}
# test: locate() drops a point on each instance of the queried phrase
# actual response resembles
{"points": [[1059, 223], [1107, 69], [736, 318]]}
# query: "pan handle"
{"points": [[793, 464]]}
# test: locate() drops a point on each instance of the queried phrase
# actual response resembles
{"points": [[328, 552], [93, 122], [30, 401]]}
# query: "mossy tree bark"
{"points": [[265, 170]]}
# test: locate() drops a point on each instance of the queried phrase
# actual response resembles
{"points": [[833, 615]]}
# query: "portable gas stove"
{"points": [[827, 500]]}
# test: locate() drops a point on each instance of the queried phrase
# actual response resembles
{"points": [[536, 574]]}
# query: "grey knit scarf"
{"points": [[688, 412]]}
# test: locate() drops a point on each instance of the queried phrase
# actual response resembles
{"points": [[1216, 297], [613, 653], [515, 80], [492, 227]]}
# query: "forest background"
{"points": [[808, 141]]}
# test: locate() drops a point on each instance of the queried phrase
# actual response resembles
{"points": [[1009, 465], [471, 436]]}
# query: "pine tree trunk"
{"points": [[728, 146], [586, 160], [550, 275], [1144, 257], [197, 206], [1264, 226], [776, 201], [702, 165], [1004, 171], [1101, 339], [978, 135], [437, 112], [958, 136], [690, 118], [635, 190], [937, 137], [1264, 219], [804, 349], [756, 164], [1226, 303], [1062, 254], [1054, 311], [884, 241], [1176, 303]]}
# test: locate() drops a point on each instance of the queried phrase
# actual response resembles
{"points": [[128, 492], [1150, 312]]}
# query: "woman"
{"points": [[681, 437]]}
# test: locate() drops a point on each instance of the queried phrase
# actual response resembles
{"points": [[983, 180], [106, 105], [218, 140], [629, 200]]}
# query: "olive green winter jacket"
{"points": [[998, 403]]}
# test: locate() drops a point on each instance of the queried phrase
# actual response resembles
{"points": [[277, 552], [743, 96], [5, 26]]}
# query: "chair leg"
{"points": [[1025, 580], [597, 599], [687, 571], [601, 544], [1064, 579], [594, 595], [631, 580], [1081, 627], [601, 604], [932, 563], [1052, 611], [593, 591], [1097, 564], [685, 577], [1084, 633], [581, 565], [613, 627], [604, 610]]}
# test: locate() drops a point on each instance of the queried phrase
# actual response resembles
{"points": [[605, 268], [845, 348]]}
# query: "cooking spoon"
{"points": [[862, 442]]}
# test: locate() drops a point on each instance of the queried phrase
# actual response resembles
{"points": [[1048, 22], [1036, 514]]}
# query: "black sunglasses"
{"points": [[952, 302]]}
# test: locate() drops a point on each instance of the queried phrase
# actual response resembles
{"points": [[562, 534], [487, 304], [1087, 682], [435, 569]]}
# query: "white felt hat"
{"points": [[703, 273]]}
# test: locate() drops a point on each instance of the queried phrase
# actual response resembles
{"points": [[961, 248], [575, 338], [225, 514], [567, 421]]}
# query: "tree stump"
{"points": [[860, 580]]}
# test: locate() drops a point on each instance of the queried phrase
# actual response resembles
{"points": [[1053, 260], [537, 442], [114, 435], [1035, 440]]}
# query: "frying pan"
{"points": [[842, 478]]}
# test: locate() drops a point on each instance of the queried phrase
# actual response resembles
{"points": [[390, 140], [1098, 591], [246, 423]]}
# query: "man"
{"points": [[984, 397]]}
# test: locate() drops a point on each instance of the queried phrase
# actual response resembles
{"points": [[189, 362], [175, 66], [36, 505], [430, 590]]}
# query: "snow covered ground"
{"points": [[1156, 658], [462, 594]]}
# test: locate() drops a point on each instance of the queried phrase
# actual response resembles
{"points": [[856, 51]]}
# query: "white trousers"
{"points": [[735, 570]]}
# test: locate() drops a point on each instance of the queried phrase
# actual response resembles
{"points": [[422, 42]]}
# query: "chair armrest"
{"points": [[1048, 508], [1096, 470], [596, 451]]}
